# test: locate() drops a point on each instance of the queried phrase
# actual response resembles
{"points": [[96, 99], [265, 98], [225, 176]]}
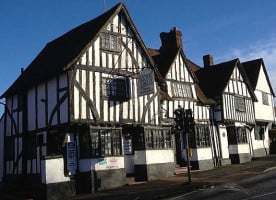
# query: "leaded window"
{"points": [[117, 89], [181, 89], [31, 144], [110, 41], [202, 136], [9, 148], [157, 138], [236, 135], [259, 131], [100, 143], [239, 104]]}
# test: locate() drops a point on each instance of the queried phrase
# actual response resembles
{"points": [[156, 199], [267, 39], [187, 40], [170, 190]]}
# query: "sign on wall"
{"points": [[109, 163], [145, 82], [71, 157]]}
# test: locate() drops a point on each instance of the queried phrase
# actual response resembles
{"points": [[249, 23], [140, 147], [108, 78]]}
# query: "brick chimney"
{"points": [[171, 40], [208, 60]]}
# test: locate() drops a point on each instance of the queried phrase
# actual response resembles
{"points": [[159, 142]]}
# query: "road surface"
{"points": [[261, 187]]}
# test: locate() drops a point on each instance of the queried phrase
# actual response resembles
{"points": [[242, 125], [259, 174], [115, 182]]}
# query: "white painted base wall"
{"points": [[53, 171], [153, 157]]}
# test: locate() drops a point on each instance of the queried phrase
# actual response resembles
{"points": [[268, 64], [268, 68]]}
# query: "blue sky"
{"points": [[226, 29]]}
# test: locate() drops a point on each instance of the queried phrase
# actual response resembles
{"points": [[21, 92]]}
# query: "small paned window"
{"points": [[20, 102], [110, 41], [55, 139], [100, 143], [202, 136], [180, 89], [265, 98], [139, 140], [118, 89], [9, 148], [31, 144], [157, 139], [239, 104], [236, 135], [241, 135], [86, 144], [259, 131]]}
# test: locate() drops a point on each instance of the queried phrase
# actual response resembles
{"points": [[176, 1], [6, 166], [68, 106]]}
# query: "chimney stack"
{"points": [[171, 40], [208, 60]]}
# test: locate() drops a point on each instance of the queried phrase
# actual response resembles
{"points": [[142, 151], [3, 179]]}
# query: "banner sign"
{"points": [[71, 157], [145, 82]]}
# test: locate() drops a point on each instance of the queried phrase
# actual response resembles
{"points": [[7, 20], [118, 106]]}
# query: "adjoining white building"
{"points": [[263, 107]]}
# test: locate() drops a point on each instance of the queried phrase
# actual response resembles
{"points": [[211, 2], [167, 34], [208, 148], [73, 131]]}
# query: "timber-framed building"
{"points": [[96, 107]]}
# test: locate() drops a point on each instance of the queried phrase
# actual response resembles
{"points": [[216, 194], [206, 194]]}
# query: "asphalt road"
{"points": [[261, 187]]}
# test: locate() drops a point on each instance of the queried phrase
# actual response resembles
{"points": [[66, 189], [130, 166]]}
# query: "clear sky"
{"points": [[226, 29]]}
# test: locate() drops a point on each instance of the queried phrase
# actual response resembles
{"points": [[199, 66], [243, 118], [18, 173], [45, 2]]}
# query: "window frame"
{"points": [[117, 89], [265, 99], [158, 139], [259, 131], [182, 89], [96, 143], [110, 41], [240, 105], [236, 135], [31, 146], [202, 136], [9, 148]]}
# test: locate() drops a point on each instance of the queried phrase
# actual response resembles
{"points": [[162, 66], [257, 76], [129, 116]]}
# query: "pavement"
{"points": [[178, 184]]}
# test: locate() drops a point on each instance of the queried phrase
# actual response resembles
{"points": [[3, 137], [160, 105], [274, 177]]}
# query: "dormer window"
{"points": [[110, 41], [117, 89]]}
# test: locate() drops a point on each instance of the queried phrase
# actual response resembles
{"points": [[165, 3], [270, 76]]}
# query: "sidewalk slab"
{"points": [[178, 184]]}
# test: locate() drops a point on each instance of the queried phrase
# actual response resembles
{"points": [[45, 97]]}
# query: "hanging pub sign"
{"points": [[145, 82], [71, 157]]}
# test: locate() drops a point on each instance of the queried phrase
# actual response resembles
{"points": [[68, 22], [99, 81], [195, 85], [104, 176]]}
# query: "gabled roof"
{"points": [[214, 79], [164, 61], [60, 54], [252, 70], [199, 92]]}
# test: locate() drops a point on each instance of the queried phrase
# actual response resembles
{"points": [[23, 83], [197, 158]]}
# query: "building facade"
{"points": [[96, 107]]}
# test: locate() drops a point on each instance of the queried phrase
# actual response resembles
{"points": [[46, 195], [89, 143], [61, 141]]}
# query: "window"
{"points": [[9, 148], [239, 104], [110, 41], [236, 135], [31, 146], [157, 138], [117, 89], [259, 131], [241, 135], [265, 98], [21, 102], [182, 90], [138, 140], [202, 136], [100, 143], [55, 139]]}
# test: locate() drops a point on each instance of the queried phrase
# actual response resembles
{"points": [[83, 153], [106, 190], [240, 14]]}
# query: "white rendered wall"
{"points": [[153, 157]]}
